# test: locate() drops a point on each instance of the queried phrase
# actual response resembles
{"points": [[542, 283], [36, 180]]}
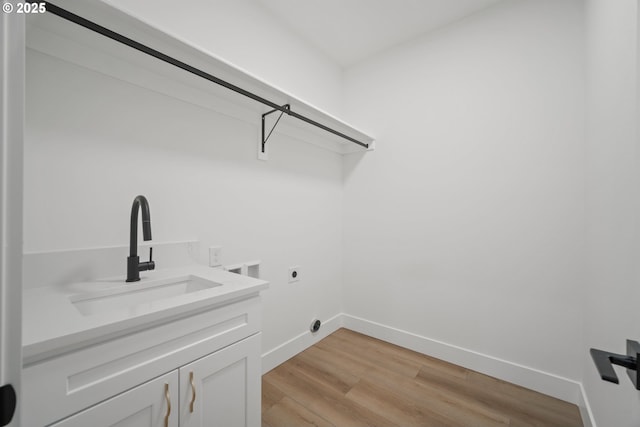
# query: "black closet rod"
{"points": [[69, 16]]}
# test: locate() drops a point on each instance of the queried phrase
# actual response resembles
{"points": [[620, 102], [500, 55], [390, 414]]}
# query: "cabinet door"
{"points": [[223, 389], [144, 406]]}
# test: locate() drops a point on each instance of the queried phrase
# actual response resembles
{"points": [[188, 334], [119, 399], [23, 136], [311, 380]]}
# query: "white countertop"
{"points": [[52, 324]]}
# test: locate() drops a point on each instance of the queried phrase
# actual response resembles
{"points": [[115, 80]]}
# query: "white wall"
{"points": [[93, 143], [467, 223], [247, 35], [612, 314]]}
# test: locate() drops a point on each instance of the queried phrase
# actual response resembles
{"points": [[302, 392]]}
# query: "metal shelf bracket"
{"points": [[285, 109]]}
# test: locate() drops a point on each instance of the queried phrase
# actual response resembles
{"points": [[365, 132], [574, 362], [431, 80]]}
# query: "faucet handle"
{"points": [[151, 264], [148, 265]]}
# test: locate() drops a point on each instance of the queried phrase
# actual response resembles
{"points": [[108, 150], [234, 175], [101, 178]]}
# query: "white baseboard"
{"points": [[550, 384], [297, 344], [585, 409], [543, 382]]}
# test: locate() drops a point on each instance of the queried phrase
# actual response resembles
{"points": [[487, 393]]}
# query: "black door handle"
{"points": [[605, 360], [7, 404]]}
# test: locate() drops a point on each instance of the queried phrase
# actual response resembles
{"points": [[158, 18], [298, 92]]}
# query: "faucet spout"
{"points": [[134, 266], [139, 203]]}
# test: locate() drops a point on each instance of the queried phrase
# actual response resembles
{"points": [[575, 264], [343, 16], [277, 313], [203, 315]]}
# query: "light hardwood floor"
{"points": [[349, 379]]}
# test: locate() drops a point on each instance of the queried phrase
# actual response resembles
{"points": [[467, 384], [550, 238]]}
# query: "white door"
{"points": [[152, 404], [12, 47], [223, 389]]}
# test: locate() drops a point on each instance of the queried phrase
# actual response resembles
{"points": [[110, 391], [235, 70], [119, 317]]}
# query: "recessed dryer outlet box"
{"points": [[249, 268], [253, 269], [294, 274], [234, 268]]}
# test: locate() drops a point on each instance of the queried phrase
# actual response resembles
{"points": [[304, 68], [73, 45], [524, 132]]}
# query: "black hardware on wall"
{"points": [[264, 140], [7, 404], [69, 16], [605, 360]]}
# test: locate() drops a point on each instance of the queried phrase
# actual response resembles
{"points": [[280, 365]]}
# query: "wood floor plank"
{"points": [[525, 407], [320, 377], [327, 373], [517, 411], [434, 379], [270, 395], [553, 412], [374, 351], [414, 357], [338, 358], [323, 400], [288, 412], [451, 405], [349, 379], [396, 408], [522, 393], [367, 356]]}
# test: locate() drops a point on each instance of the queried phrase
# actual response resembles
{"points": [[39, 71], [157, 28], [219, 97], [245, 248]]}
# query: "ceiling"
{"points": [[350, 30]]}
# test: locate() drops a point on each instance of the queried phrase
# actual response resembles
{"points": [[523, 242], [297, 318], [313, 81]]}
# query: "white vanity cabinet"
{"points": [[221, 389], [210, 358]]}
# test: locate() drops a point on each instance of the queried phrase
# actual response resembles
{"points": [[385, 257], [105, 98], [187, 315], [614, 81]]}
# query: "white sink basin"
{"points": [[137, 296]]}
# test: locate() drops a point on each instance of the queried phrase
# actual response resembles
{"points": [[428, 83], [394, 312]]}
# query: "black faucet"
{"points": [[134, 266]]}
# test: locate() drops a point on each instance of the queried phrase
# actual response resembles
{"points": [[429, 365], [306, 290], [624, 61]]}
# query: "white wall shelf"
{"points": [[52, 35]]}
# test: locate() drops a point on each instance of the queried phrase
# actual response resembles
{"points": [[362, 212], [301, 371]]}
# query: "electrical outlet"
{"points": [[294, 274], [215, 256]]}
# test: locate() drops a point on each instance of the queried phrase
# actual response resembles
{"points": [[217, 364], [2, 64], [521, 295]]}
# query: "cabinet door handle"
{"points": [[193, 391], [166, 396]]}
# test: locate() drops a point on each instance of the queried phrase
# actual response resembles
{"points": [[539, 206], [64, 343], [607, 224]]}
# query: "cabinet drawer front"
{"points": [[58, 387]]}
